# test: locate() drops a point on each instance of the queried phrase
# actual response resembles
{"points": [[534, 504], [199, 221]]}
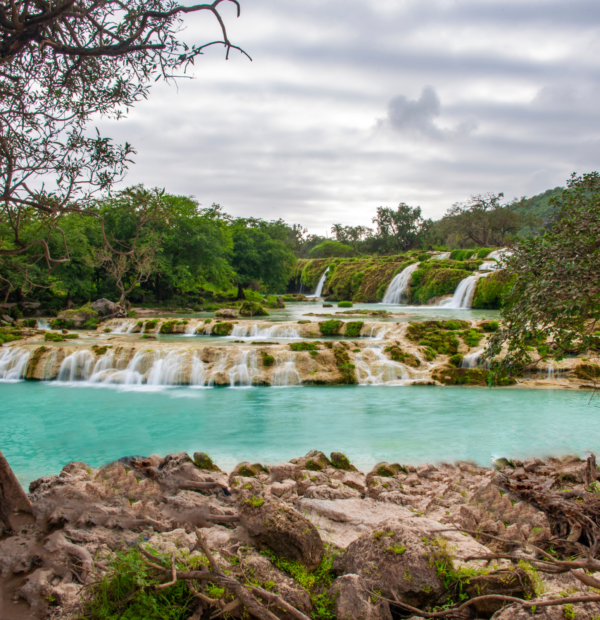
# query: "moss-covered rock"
{"points": [[81, 318], [346, 368], [490, 291], [203, 461], [587, 372], [34, 360], [222, 328], [340, 461], [252, 308], [456, 360], [353, 328], [248, 470], [267, 360], [464, 376], [168, 327], [396, 354], [438, 278], [433, 336], [304, 346], [330, 328]]}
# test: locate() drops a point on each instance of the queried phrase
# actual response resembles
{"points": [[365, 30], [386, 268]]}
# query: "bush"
{"points": [[490, 326], [330, 249], [251, 308], [267, 360], [491, 290], [330, 328], [483, 252], [461, 254], [456, 360], [423, 257], [345, 304], [353, 328]]}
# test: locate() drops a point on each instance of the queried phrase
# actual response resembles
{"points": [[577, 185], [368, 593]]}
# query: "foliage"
{"points": [[556, 290], [428, 282], [491, 290], [353, 328], [398, 355], [330, 328], [222, 328], [128, 592], [303, 346], [267, 360], [433, 335], [346, 368], [402, 229], [251, 308], [330, 249], [345, 304], [456, 360]]}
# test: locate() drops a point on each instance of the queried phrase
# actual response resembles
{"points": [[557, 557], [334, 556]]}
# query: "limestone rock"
{"points": [[226, 313], [203, 461], [284, 530], [12, 496], [330, 492], [352, 602], [340, 461], [516, 583], [314, 460], [104, 307], [282, 471], [248, 470]]}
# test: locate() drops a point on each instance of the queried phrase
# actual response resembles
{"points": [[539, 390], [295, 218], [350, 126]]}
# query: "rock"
{"points": [[8, 319], [355, 480], [84, 317], [284, 530], [247, 470], [515, 583], [331, 492], [503, 463], [280, 303], [423, 471], [395, 560], [203, 461], [282, 471], [314, 460], [352, 602], [252, 308], [283, 489], [12, 496], [104, 307], [227, 313], [386, 470], [340, 461]]}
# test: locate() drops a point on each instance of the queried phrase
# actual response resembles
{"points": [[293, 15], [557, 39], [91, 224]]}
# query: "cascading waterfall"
{"points": [[285, 373], [255, 333], [464, 293], [498, 254], [471, 360], [43, 324], [399, 285], [218, 366], [442, 256], [379, 334], [171, 370], [198, 374], [244, 371], [381, 371], [123, 327], [13, 364], [48, 372], [76, 366], [190, 329], [320, 285]]}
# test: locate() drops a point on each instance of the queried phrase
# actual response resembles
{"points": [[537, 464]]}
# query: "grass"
{"points": [[345, 304], [304, 346], [330, 328], [353, 328]]}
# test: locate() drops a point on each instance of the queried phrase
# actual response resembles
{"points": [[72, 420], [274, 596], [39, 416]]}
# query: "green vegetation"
{"points": [[222, 329], [267, 360], [330, 328], [398, 355], [304, 346], [9, 334], [251, 308], [56, 337], [330, 249], [353, 328], [167, 326], [491, 290], [437, 278], [456, 360], [435, 335], [346, 368], [341, 461], [345, 304]]}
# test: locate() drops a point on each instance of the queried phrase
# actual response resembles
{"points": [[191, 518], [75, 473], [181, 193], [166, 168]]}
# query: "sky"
{"points": [[348, 105]]}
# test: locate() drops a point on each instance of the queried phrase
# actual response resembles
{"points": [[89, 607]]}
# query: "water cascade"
{"points": [[43, 324], [499, 254], [124, 327], [379, 334], [285, 374], [190, 329], [76, 366], [320, 285], [471, 360], [48, 372], [171, 370], [244, 371], [197, 375], [381, 370], [218, 366], [464, 293], [13, 364], [399, 285], [442, 256], [255, 333]]}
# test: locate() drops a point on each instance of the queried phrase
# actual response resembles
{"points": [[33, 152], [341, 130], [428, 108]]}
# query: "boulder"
{"points": [[285, 531], [340, 461], [104, 307], [331, 492], [314, 460], [516, 583], [282, 471], [386, 470], [280, 303], [203, 461], [395, 560], [352, 601], [227, 313], [76, 319], [252, 308], [247, 470]]}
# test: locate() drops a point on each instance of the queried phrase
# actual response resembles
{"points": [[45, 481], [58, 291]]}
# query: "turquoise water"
{"points": [[43, 426]]}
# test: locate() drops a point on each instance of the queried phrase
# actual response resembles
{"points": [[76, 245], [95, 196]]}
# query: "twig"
{"points": [[173, 574]]}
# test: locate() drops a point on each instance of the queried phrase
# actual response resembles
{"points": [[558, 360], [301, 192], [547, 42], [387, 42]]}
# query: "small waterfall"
{"points": [[190, 329], [244, 371], [442, 256], [379, 334], [399, 285], [499, 254], [488, 266], [197, 375], [107, 372], [218, 366], [285, 373], [381, 371], [76, 367], [464, 293], [254, 332], [48, 372], [43, 324], [13, 364], [168, 371], [123, 327], [320, 285], [471, 360]]}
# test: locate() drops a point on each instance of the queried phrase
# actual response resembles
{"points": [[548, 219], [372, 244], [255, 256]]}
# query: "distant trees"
{"points": [[331, 249], [351, 235], [556, 291], [401, 229]]}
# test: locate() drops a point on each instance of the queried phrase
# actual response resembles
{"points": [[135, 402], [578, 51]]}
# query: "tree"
{"points": [[401, 229], [62, 63], [485, 221], [554, 304], [351, 235], [257, 256]]}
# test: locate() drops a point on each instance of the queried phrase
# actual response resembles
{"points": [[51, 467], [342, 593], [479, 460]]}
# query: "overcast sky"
{"points": [[352, 104]]}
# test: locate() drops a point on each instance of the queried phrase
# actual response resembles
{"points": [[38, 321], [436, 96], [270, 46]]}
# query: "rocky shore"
{"points": [[311, 538]]}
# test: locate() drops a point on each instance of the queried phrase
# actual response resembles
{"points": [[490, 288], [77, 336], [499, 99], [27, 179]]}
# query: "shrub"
{"points": [[267, 360], [330, 328], [472, 337], [346, 369], [353, 328], [483, 252], [330, 249], [455, 324], [303, 346], [251, 308], [490, 326], [491, 290], [461, 254], [423, 257], [456, 360], [345, 304], [222, 329]]}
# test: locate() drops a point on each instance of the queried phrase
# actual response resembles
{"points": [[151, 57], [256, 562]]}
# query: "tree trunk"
{"points": [[240, 294]]}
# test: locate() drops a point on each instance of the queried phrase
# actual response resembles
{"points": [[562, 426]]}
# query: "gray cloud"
{"points": [[291, 134]]}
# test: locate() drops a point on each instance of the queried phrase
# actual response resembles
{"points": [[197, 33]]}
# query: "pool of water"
{"points": [[45, 425]]}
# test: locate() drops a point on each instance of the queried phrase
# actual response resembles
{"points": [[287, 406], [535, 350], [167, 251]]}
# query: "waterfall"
{"points": [[285, 373], [218, 366], [379, 334], [244, 371], [254, 332], [488, 266], [123, 327], [471, 360], [399, 285], [168, 371], [320, 285], [442, 256], [198, 375], [499, 254], [76, 366], [464, 293], [381, 371], [109, 373], [48, 372], [43, 324], [190, 329], [13, 364]]}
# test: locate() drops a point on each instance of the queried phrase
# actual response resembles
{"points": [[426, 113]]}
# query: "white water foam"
{"points": [[464, 293], [285, 374], [398, 287], [320, 285], [13, 364], [253, 332]]}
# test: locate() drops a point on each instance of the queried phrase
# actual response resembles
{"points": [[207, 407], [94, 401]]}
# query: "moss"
{"points": [[303, 346], [491, 290], [455, 324], [345, 304], [151, 324], [303, 322], [432, 335], [167, 327], [99, 350], [53, 337], [490, 326], [314, 352], [435, 280], [340, 461], [398, 355], [587, 371], [222, 329], [330, 328], [466, 376], [353, 328], [462, 254], [346, 368], [34, 360], [9, 334], [252, 308], [471, 337], [203, 461], [267, 360], [456, 360]]}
